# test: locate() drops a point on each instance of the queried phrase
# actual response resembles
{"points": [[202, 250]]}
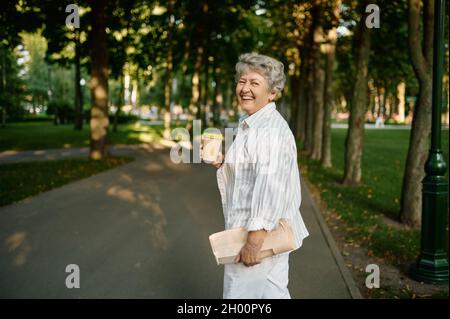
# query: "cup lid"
{"points": [[216, 136]]}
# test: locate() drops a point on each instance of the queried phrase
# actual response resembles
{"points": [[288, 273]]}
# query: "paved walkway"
{"points": [[141, 231], [57, 154]]}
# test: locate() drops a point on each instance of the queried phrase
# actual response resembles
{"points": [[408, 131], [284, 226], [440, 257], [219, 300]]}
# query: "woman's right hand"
{"points": [[217, 163]]}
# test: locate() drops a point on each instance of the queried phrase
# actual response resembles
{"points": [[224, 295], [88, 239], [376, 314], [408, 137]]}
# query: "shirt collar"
{"points": [[256, 118]]}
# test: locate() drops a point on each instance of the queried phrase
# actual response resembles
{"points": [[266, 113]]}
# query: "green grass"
{"points": [[388, 292], [22, 180], [362, 207], [45, 135]]}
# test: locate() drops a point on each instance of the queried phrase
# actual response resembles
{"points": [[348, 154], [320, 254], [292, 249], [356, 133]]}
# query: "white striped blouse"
{"points": [[259, 181]]}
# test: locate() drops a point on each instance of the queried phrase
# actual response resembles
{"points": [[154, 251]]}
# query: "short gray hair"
{"points": [[271, 69]]}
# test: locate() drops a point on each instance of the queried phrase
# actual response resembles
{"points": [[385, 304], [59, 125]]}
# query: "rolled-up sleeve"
{"points": [[272, 191]]}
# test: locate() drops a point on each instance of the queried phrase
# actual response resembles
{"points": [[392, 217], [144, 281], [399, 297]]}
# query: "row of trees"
{"points": [[142, 40], [334, 61], [396, 54], [37, 83]]}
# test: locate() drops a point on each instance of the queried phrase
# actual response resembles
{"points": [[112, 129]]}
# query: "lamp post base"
{"points": [[430, 272]]}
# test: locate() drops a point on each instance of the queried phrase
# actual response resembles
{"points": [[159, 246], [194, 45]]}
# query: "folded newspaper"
{"points": [[227, 244]]}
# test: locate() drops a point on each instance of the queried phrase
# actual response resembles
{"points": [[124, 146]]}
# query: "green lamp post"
{"points": [[432, 264]]}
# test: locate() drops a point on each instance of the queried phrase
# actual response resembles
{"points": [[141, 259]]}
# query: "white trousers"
{"points": [[267, 280]]}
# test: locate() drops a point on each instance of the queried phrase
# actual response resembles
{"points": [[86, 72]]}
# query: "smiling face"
{"points": [[253, 92]]}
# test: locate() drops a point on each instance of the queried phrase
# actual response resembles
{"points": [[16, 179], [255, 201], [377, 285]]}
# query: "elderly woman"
{"points": [[259, 181]]}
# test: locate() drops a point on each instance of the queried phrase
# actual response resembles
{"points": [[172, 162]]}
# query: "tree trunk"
{"points": [[169, 75], [167, 95], [372, 97], [328, 98], [309, 113], [56, 117], [411, 199], [385, 100], [388, 107], [313, 58], [378, 99], [218, 97], [119, 103], [99, 83], [3, 116], [78, 105], [294, 83], [195, 95], [354, 138], [302, 96], [381, 101], [394, 103], [328, 89], [318, 80], [401, 87], [196, 78], [134, 93], [318, 111], [34, 104], [230, 104], [3, 84], [422, 60], [204, 104]]}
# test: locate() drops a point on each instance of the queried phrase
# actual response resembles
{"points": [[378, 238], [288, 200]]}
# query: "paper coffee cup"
{"points": [[212, 143]]}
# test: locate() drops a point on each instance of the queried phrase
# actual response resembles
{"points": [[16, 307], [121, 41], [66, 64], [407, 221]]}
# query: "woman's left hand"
{"points": [[250, 254]]}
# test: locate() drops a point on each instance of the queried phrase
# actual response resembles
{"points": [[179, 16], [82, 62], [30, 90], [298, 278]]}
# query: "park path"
{"points": [[141, 231], [60, 154]]}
